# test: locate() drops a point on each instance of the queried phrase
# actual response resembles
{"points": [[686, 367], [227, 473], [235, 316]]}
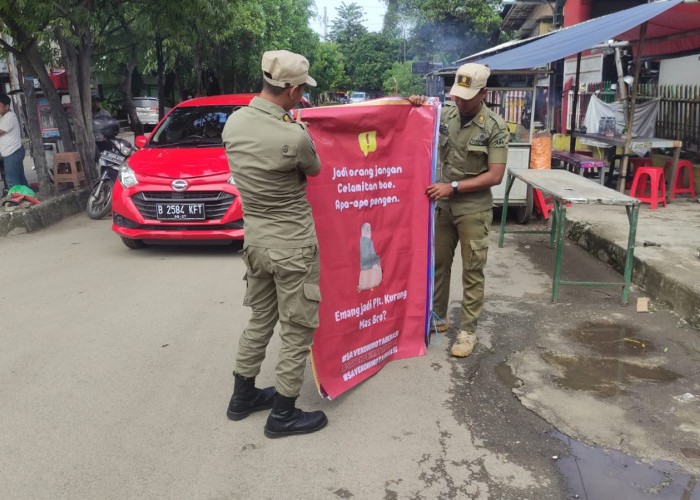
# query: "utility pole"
{"points": [[556, 78], [325, 24]]}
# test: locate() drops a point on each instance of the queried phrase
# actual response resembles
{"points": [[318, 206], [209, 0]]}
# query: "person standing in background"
{"points": [[11, 148]]}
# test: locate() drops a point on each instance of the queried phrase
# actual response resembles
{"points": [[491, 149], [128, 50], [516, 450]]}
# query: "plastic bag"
{"points": [[20, 189], [541, 153], [105, 127]]}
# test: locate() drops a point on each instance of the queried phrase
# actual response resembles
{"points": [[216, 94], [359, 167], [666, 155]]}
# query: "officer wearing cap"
{"points": [[473, 152], [270, 158]]}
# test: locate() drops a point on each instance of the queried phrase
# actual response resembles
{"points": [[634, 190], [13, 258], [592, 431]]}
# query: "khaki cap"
{"points": [[282, 68], [469, 80]]}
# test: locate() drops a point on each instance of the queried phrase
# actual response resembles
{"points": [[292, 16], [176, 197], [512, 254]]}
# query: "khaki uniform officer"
{"points": [[270, 158], [473, 151]]}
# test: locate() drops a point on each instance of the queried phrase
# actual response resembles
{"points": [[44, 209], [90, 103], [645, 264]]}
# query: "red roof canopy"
{"points": [[674, 31]]}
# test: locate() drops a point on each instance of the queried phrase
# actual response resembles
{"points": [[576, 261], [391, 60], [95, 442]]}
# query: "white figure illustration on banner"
{"points": [[370, 265]]}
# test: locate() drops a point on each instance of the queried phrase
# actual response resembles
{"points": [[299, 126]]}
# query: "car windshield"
{"points": [[192, 126]]}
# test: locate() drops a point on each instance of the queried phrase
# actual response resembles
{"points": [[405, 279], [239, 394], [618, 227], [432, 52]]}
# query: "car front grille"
{"points": [[216, 203]]}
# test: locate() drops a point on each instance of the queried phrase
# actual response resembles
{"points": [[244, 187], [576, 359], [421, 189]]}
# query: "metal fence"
{"points": [[679, 112]]}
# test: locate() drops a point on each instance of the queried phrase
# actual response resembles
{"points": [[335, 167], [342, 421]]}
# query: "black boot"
{"points": [[247, 398], [286, 420]]}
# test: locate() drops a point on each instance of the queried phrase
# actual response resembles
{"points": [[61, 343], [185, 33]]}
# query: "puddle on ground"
{"points": [[605, 377], [597, 474], [505, 375], [611, 339]]}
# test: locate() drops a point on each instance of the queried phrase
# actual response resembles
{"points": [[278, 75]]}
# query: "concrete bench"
{"points": [[579, 163]]}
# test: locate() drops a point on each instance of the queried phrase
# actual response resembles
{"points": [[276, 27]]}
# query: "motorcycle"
{"points": [[113, 152]]}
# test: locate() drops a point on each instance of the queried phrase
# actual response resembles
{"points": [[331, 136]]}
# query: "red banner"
{"points": [[373, 223]]}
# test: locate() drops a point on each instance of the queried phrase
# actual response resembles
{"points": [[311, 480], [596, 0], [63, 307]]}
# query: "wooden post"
{"points": [[621, 84], [572, 147], [633, 104]]}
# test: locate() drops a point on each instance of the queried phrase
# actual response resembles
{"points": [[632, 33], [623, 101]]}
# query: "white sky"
{"points": [[374, 13]]}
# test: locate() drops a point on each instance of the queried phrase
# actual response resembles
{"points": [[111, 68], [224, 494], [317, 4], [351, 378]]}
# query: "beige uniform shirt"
{"points": [[466, 151], [270, 159]]}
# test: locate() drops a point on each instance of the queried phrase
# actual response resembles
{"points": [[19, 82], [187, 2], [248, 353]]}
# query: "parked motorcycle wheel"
{"points": [[100, 201]]}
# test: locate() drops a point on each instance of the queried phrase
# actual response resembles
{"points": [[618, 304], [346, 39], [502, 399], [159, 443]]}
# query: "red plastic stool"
{"points": [[634, 164], [652, 177], [640, 162], [677, 187], [541, 205]]}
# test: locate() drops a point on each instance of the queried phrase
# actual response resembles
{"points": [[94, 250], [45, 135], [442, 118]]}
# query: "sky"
{"points": [[374, 13]]}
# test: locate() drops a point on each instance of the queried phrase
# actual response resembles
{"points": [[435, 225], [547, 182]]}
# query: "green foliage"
{"points": [[368, 57], [347, 25], [446, 30], [28, 23], [213, 46], [328, 68], [400, 80]]}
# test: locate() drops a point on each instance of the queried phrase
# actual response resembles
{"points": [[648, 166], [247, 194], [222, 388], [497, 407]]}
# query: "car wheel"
{"points": [[132, 243]]}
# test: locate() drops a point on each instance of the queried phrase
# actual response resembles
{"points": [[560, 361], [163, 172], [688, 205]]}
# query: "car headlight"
{"points": [[231, 180], [127, 177]]}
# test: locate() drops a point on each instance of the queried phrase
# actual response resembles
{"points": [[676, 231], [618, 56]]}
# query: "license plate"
{"points": [[113, 157], [180, 211]]}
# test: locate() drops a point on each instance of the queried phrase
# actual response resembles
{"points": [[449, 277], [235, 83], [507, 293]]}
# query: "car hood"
{"points": [[180, 163]]}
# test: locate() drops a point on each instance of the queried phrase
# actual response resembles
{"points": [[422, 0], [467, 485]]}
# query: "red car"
{"points": [[178, 186]]}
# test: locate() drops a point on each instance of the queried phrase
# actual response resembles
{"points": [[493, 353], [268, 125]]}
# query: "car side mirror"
{"points": [[140, 141]]}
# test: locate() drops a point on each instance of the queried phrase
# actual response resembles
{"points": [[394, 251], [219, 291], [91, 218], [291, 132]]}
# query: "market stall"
{"points": [[653, 29], [515, 104], [514, 96]]}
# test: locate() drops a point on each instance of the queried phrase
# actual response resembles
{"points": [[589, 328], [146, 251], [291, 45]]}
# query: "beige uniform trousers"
{"points": [[282, 284], [471, 231]]}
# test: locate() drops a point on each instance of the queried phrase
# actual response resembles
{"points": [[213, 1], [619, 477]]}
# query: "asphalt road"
{"points": [[115, 373]]}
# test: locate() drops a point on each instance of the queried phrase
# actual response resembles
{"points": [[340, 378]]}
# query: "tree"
{"points": [[205, 45], [368, 57], [400, 80], [446, 30], [347, 25], [328, 68], [229, 44], [26, 26], [74, 32]]}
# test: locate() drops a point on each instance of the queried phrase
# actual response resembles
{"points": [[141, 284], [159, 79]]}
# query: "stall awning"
{"points": [[675, 31], [574, 39]]}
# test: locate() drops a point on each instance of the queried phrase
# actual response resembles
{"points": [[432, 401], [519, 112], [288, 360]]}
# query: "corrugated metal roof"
{"points": [[539, 51]]}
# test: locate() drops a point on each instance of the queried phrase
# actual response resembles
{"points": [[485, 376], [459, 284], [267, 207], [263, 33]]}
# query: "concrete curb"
{"points": [[46, 213], [666, 290]]}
